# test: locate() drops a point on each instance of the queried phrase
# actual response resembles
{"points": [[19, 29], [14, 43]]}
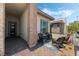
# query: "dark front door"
{"points": [[12, 29]]}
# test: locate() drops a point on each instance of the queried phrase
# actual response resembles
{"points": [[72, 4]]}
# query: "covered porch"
{"points": [[17, 27]]}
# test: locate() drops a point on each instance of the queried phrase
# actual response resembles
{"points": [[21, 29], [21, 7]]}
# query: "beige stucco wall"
{"points": [[39, 17], [23, 25], [12, 18], [32, 24], [2, 28]]}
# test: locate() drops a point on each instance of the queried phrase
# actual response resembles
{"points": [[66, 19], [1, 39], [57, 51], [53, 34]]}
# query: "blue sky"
{"points": [[61, 10]]}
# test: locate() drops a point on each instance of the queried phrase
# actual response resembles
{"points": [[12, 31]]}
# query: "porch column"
{"points": [[65, 28], [2, 28], [65, 25], [32, 24]]}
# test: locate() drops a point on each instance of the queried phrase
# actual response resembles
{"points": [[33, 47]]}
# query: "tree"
{"points": [[74, 26]]}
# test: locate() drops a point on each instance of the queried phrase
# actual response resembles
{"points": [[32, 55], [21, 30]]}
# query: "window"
{"points": [[43, 24]]}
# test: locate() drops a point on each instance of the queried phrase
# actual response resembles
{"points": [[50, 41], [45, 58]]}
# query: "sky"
{"points": [[61, 10]]}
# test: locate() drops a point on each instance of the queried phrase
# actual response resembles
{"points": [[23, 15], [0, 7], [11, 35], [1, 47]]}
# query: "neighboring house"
{"points": [[22, 19], [58, 27]]}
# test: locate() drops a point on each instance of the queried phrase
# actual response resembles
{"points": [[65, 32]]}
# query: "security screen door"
{"points": [[12, 29]]}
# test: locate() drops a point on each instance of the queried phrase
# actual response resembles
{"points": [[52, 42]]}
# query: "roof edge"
{"points": [[45, 14]]}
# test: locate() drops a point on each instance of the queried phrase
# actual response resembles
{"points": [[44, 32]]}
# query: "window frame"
{"points": [[43, 24]]}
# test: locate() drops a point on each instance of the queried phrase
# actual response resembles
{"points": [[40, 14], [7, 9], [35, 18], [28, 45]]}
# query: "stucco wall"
{"points": [[39, 17], [32, 24], [23, 25], [2, 28], [11, 18]]}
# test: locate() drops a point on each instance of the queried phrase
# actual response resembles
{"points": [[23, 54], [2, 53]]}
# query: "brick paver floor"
{"points": [[18, 47], [14, 45], [47, 51]]}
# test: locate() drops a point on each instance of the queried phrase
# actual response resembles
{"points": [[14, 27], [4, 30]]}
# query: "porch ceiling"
{"points": [[15, 8]]}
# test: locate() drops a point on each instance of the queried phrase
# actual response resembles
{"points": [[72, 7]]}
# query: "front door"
{"points": [[12, 29]]}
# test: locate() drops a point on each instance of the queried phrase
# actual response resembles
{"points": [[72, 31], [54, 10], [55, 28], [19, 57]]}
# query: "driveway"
{"points": [[76, 43]]}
